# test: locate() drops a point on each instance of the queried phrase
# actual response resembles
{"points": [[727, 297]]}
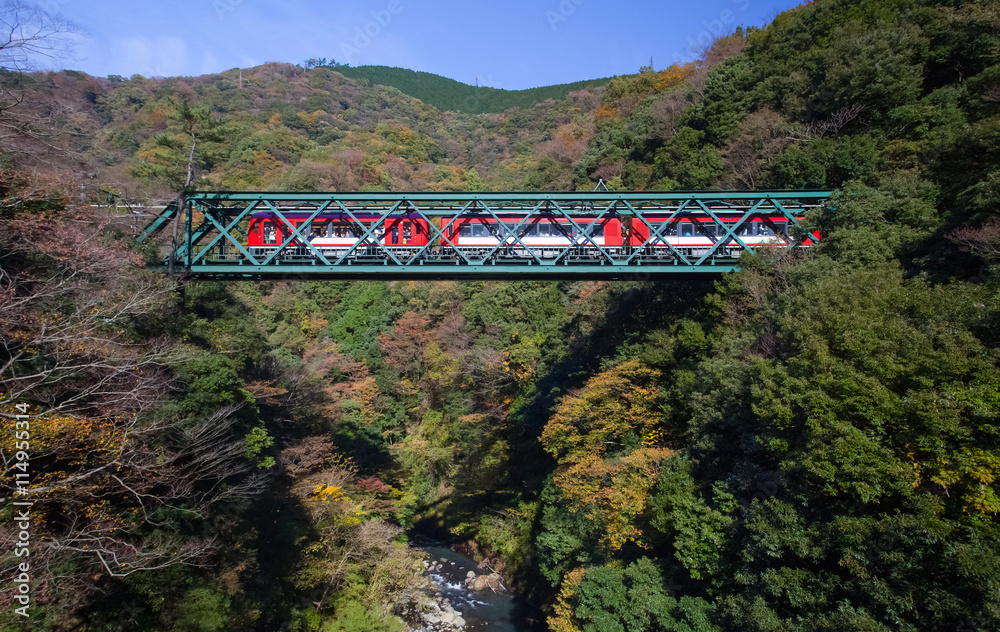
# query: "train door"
{"points": [[270, 233]]}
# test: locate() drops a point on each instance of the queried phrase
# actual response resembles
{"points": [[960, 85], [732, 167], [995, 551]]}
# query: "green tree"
{"points": [[175, 155]]}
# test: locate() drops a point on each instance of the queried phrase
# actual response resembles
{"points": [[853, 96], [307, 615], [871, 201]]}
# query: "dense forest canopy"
{"points": [[811, 443], [448, 94]]}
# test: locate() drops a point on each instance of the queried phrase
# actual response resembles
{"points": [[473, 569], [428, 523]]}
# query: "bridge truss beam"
{"points": [[214, 240]]}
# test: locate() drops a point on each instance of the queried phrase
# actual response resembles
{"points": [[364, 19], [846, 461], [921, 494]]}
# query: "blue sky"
{"points": [[509, 44]]}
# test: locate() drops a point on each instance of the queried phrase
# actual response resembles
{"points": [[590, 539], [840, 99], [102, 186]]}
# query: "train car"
{"points": [[335, 234], [543, 236], [546, 236], [696, 234]]}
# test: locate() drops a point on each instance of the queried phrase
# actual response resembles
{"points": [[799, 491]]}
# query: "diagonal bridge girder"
{"points": [[216, 229]]}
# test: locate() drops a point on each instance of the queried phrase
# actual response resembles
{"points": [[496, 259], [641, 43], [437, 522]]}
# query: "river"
{"points": [[500, 611]]}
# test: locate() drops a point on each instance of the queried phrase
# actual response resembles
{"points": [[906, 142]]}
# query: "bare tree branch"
{"points": [[29, 33]]}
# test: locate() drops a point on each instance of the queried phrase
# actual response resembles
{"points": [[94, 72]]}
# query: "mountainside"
{"points": [[448, 94], [809, 444]]}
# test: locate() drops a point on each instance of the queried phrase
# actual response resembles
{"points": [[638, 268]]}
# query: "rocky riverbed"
{"points": [[461, 596]]}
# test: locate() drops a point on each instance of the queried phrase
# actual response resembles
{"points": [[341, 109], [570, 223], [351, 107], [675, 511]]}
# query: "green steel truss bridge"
{"points": [[206, 235]]}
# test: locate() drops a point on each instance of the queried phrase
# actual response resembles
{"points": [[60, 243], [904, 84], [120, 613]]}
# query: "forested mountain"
{"points": [[808, 444], [448, 94]]}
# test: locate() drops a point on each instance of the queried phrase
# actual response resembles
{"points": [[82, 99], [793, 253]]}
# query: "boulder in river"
{"points": [[483, 582], [480, 583]]}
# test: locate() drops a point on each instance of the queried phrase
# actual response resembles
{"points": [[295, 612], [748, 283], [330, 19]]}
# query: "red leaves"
{"points": [[403, 347], [373, 485]]}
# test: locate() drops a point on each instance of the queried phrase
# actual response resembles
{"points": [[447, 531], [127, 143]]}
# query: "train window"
{"points": [[781, 228], [707, 229], [407, 231], [318, 229], [595, 230], [763, 230], [687, 230], [474, 229], [270, 234], [747, 229]]}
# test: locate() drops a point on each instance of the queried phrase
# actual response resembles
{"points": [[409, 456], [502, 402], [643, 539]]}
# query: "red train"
{"points": [[544, 236]]}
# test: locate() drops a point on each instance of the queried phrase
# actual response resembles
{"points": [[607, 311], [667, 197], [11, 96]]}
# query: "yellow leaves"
{"points": [[328, 493], [311, 120], [981, 467], [673, 76], [264, 162], [971, 473], [613, 491], [521, 360], [656, 437], [620, 401], [75, 438], [312, 326], [562, 621]]}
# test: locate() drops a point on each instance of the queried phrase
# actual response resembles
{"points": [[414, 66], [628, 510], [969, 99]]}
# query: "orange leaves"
{"points": [[266, 392], [616, 411], [673, 76], [366, 393], [348, 379], [605, 112], [568, 143], [619, 402], [613, 491]]}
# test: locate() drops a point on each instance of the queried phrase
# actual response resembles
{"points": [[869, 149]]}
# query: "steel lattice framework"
{"points": [[212, 233]]}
